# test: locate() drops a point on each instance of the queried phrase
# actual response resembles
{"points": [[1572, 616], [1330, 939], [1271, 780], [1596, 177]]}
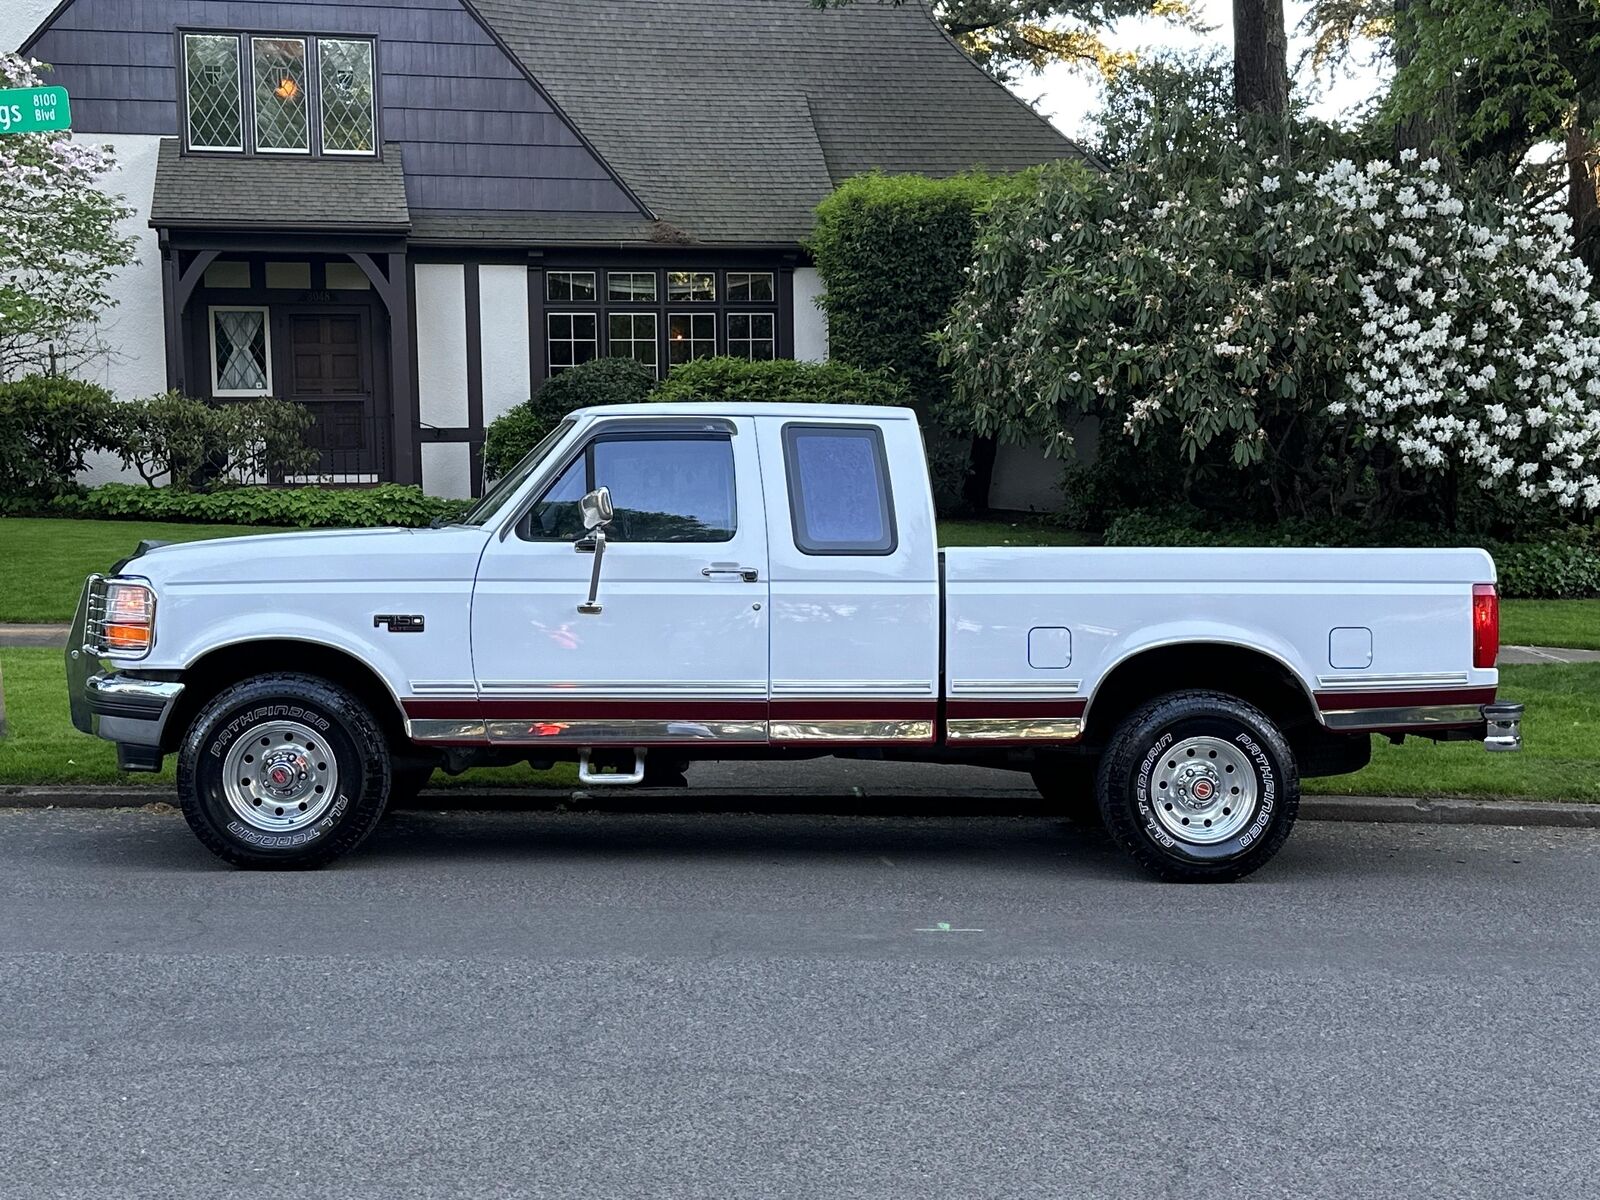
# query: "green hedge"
{"points": [[306, 507], [599, 381], [1565, 566], [48, 424], [893, 252], [715, 380]]}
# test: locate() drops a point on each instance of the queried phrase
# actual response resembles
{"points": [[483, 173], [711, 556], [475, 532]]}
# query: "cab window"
{"points": [[668, 487]]}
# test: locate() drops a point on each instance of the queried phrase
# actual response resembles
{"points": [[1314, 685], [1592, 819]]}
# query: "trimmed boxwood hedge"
{"points": [[306, 507]]}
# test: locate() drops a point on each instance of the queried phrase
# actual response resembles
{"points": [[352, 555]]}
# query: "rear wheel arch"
{"points": [[1256, 676], [221, 668]]}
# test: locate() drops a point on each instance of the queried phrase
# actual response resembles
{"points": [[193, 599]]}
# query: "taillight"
{"points": [[1485, 625]]}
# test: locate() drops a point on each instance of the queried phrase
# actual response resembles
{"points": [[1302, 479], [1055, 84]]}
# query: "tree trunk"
{"points": [[1583, 192], [1260, 57], [980, 474]]}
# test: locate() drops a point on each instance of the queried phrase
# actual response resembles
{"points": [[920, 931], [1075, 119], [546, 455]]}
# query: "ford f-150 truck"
{"points": [[657, 584]]}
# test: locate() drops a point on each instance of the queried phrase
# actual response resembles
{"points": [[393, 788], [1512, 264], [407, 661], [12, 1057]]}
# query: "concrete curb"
{"points": [[1389, 809]]}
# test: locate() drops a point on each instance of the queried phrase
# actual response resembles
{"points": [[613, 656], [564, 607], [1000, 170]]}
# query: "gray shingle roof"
{"points": [[732, 119], [240, 191]]}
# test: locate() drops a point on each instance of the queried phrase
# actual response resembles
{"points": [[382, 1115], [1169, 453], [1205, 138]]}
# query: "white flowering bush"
{"points": [[60, 241], [1351, 336]]}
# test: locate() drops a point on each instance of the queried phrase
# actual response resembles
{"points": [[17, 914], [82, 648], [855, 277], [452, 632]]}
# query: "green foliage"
{"points": [[893, 252], [1559, 568], [48, 424], [715, 380], [305, 507], [599, 381], [191, 444]]}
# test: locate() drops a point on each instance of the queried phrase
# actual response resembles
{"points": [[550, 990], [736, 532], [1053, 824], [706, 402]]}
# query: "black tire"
{"points": [[1129, 786], [1067, 785], [361, 758]]}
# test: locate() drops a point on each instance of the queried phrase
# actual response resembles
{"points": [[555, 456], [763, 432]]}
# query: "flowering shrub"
{"points": [[1352, 335], [60, 242]]}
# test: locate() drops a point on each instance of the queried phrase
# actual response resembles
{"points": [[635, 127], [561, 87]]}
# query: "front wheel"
{"points": [[1200, 787], [283, 771]]}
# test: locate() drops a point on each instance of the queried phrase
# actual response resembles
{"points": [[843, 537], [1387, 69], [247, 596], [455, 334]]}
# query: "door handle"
{"points": [[748, 574]]}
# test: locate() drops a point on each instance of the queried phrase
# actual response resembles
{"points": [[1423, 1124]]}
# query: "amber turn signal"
{"points": [[130, 618]]}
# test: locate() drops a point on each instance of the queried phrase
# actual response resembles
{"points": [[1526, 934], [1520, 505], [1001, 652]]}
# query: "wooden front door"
{"points": [[330, 359]]}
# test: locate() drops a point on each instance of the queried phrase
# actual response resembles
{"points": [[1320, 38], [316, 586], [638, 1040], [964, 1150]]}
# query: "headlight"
{"points": [[124, 626]]}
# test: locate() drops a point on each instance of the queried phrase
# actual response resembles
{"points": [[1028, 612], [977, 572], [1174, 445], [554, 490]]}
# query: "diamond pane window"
{"points": [[633, 335], [278, 67], [750, 287], [569, 285], [691, 336], [212, 98], [691, 286], [348, 119], [631, 286], [241, 355], [752, 336]]}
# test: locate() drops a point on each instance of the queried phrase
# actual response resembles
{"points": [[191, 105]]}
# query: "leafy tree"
{"points": [[1005, 36], [60, 243]]}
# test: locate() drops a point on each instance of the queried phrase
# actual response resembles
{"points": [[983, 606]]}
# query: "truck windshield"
{"points": [[495, 499]]}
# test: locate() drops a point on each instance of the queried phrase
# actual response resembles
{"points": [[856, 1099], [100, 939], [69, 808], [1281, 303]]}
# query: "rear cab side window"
{"points": [[671, 487], [840, 500]]}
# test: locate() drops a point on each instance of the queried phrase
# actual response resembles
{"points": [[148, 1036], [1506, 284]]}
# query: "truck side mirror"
{"points": [[596, 508], [597, 513]]}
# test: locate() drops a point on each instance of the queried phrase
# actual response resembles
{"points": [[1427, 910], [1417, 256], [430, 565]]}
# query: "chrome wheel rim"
{"points": [[280, 777], [1204, 790]]}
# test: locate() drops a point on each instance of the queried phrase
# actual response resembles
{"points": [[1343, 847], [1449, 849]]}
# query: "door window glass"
{"points": [[664, 488], [839, 489]]}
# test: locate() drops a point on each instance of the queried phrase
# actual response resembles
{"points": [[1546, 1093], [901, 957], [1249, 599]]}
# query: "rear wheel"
{"points": [[283, 771], [1199, 786]]}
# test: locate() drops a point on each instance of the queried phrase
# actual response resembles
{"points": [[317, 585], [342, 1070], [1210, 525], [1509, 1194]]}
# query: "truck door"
{"points": [[678, 652], [855, 580]]}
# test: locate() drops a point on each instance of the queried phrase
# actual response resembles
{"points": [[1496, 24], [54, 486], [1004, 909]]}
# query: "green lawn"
{"points": [[1023, 531], [1571, 623], [43, 560], [1560, 761]]}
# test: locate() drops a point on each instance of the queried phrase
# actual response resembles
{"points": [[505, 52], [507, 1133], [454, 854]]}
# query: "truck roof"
{"points": [[859, 412]]}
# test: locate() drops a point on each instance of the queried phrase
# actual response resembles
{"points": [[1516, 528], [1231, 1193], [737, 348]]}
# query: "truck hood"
{"points": [[315, 556]]}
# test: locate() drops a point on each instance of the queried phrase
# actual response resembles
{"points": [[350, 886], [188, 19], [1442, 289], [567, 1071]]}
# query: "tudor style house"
{"points": [[407, 214]]}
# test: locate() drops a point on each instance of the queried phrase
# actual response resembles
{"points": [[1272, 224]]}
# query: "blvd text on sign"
{"points": [[34, 110]]}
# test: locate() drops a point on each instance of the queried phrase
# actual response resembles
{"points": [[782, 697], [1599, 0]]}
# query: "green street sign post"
{"points": [[34, 110]]}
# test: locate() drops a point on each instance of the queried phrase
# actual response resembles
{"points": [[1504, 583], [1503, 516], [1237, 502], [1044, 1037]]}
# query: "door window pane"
{"points": [[752, 336], [691, 336], [279, 71], [691, 285], [664, 488], [241, 358], [633, 335], [633, 287], [839, 490], [212, 93], [574, 338], [750, 287], [569, 285], [348, 119]]}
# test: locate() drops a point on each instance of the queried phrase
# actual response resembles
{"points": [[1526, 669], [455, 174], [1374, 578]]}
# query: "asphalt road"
{"points": [[620, 1005]]}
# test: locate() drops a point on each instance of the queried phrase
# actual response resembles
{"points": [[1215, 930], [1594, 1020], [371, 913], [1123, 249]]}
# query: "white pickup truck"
{"points": [[658, 584]]}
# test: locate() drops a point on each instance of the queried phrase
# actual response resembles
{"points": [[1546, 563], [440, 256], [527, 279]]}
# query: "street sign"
{"points": [[34, 110]]}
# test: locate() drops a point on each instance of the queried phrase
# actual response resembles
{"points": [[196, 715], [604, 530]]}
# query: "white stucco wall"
{"points": [[810, 322], [503, 306], [447, 469], [134, 363], [441, 301], [19, 18]]}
